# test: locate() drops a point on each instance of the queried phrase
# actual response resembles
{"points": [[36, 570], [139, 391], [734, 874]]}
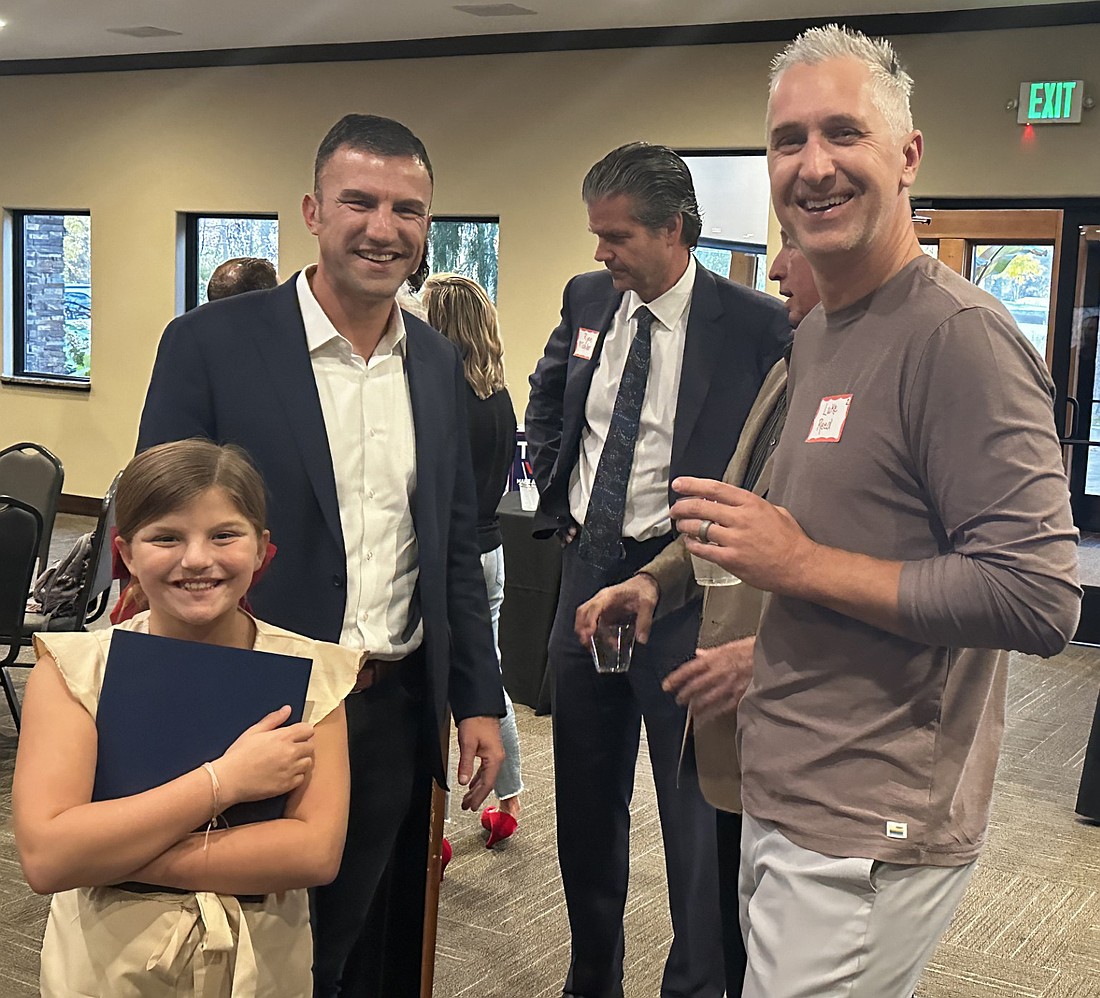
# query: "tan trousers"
{"points": [[825, 927]]}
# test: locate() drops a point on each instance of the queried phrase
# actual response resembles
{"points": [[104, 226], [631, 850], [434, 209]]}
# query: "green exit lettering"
{"points": [[1051, 100]]}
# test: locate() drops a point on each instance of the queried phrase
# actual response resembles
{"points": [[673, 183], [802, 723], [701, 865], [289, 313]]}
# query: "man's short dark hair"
{"points": [[369, 133], [655, 179], [241, 274]]}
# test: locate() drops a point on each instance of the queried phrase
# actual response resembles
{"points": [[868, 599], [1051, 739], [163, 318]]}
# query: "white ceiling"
{"points": [[51, 29]]}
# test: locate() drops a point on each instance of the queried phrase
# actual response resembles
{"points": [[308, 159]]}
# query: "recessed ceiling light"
{"points": [[3, 24]]}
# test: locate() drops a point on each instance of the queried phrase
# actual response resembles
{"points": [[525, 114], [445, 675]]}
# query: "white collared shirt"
{"points": [[647, 488], [368, 419]]}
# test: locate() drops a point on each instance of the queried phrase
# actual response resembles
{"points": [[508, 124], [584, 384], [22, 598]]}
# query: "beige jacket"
{"points": [[729, 612]]}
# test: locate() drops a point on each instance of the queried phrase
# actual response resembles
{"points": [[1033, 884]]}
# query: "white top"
{"points": [[647, 489], [368, 419]]}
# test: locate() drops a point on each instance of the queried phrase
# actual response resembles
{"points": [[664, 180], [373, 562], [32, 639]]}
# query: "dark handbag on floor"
{"points": [[57, 588]]}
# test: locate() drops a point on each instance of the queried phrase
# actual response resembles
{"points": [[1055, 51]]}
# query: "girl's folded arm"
{"points": [[301, 849], [65, 840]]}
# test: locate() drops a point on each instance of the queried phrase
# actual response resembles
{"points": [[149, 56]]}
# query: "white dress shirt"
{"points": [[647, 488], [368, 419]]}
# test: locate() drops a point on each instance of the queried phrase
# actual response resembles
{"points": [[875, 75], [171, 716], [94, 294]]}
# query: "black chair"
{"points": [[20, 532], [91, 601], [31, 473]]}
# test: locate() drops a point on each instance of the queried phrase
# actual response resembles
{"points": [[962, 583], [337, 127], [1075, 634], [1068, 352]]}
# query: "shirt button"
{"points": [[370, 494], [370, 556], [370, 432], [338, 581]]}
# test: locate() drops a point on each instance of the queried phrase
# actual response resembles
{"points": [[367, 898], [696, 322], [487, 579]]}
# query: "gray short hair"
{"points": [[657, 181], [890, 84]]}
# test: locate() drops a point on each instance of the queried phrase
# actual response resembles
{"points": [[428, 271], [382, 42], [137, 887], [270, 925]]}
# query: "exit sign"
{"points": [[1050, 102]]}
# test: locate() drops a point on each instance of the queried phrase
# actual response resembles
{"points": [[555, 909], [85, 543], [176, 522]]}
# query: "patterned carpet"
{"points": [[1029, 926]]}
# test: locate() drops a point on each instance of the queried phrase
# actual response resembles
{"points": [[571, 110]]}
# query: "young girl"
{"points": [[228, 914]]}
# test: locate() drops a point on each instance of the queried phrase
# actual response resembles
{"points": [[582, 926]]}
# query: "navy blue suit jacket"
{"points": [[734, 336], [238, 371]]}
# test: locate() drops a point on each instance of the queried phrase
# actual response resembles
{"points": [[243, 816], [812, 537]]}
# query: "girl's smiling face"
{"points": [[194, 564]]}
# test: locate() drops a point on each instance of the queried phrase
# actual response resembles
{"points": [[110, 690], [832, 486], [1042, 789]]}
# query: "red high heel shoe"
{"points": [[445, 853], [499, 824]]}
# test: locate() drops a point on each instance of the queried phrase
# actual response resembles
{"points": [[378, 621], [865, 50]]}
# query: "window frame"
{"points": [[191, 247], [15, 372]]}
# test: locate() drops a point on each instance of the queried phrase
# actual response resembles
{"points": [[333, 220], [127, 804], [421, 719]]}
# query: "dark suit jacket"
{"points": [[734, 337], [238, 371]]}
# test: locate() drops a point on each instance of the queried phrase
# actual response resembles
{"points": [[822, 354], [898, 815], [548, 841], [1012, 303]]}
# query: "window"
{"points": [[740, 262], [466, 246], [52, 296], [731, 187], [210, 240]]}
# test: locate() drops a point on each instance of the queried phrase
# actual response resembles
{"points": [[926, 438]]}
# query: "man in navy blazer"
{"points": [[355, 414], [712, 344]]}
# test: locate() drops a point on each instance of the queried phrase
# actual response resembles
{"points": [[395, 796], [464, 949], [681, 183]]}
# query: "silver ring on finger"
{"points": [[704, 531]]}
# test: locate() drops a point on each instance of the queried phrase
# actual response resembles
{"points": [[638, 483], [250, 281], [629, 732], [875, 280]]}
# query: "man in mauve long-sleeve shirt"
{"points": [[918, 522]]}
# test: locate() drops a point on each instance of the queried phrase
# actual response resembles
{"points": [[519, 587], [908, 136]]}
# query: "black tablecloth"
{"points": [[532, 572], [1088, 796]]}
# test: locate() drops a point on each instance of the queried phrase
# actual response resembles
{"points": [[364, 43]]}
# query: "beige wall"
{"points": [[509, 135]]}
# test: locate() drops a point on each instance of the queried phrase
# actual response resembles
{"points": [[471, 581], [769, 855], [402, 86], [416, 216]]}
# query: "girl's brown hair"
{"points": [[461, 310], [163, 479]]}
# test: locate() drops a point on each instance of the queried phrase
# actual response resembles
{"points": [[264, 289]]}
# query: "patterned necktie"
{"points": [[600, 543]]}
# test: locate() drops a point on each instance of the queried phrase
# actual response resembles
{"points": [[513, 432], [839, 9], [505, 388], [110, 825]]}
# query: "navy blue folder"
{"points": [[168, 706]]}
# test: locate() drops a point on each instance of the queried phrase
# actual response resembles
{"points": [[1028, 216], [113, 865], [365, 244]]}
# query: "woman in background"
{"points": [[461, 310]]}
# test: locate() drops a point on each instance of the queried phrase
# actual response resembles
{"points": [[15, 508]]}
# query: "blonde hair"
{"points": [[461, 310]]}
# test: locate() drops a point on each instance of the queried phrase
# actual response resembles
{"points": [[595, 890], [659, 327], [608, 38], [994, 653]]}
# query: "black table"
{"points": [[532, 572]]}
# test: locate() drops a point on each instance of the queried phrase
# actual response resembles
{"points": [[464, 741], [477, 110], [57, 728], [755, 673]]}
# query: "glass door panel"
{"points": [[1085, 488], [1012, 254], [1019, 276]]}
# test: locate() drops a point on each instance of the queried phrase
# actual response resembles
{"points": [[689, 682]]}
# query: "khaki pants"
{"points": [[825, 927]]}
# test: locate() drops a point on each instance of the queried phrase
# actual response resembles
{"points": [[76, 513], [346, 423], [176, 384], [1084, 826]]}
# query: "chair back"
{"points": [[32, 474], [20, 528], [96, 589]]}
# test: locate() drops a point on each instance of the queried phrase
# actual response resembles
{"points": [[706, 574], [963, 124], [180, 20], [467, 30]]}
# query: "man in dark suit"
{"points": [[712, 683], [355, 414], [651, 371]]}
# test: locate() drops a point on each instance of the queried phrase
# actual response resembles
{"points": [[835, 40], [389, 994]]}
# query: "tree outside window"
{"points": [[466, 246], [217, 238]]}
